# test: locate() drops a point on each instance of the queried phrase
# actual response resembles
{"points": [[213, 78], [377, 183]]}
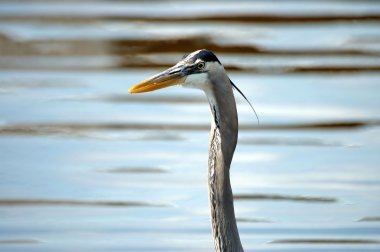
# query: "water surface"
{"points": [[85, 166]]}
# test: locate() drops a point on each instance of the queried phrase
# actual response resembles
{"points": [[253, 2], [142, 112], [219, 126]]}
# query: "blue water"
{"points": [[85, 166]]}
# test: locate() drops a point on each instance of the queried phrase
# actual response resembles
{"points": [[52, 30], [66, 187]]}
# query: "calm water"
{"points": [[85, 166]]}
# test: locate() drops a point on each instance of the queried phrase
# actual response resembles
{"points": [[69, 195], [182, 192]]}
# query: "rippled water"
{"points": [[85, 166]]}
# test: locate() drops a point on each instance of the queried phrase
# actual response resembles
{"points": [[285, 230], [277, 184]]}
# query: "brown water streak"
{"points": [[232, 18], [72, 128], [196, 42], [277, 197], [183, 44], [326, 241], [290, 142], [19, 241], [128, 98], [52, 202], [370, 219], [254, 220], [133, 170], [333, 69]]}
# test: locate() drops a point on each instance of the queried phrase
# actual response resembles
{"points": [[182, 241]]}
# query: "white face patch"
{"points": [[199, 81], [202, 80], [213, 67]]}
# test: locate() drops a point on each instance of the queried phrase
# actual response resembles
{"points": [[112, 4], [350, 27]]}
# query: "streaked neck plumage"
{"points": [[223, 139]]}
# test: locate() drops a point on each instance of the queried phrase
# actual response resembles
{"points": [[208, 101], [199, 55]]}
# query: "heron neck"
{"points": [[223, 139]]}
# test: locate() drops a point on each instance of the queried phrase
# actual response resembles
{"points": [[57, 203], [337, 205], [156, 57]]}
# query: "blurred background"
{"points": [[85, 166]]}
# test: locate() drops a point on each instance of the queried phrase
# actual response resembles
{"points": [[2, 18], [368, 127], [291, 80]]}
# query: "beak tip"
{"points": [[131, 90]]}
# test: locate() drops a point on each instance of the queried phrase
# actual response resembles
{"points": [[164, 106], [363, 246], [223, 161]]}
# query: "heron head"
{"points": [[194, 70]]}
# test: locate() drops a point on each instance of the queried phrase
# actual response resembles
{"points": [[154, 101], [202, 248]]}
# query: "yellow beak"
{"points": [[165, 79]]}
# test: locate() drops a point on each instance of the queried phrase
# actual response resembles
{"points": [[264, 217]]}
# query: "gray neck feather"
{"points": [[223, 139]]}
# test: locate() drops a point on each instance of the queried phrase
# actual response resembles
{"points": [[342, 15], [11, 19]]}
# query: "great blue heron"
{"points": [[202, 70]]}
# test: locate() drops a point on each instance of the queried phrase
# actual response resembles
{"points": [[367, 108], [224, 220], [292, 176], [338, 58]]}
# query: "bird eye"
{"points": [[201, 65]]}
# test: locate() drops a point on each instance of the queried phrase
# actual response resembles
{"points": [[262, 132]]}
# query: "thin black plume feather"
{"points": [[258, 121]]}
